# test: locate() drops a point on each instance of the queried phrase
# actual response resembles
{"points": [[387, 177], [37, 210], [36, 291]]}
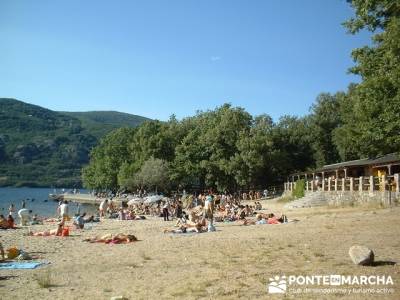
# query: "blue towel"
{"points": [[20, 265]]}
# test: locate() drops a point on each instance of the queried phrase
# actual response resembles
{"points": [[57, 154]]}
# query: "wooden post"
{"points": [[390, 169], [323, 181], [397, 182], [360, 184], [371, 184], [383, 183], [305, 178], [343, 184], [336, 184], [329, 183], [351, 184], [345, 173], [383, 189], [313, 182]]}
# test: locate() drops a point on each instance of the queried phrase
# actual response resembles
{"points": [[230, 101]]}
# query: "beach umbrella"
{"points": [[153, 199], [135, 201]]}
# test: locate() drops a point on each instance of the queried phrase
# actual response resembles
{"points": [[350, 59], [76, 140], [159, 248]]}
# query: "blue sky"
{"points": [[157, 58]]}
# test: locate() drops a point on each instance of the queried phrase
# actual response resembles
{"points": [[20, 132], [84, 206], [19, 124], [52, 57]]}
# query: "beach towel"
{"points": [[20, 265]]}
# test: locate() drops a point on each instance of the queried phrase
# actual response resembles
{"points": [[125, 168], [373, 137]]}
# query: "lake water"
{"points": [[36, 199]]}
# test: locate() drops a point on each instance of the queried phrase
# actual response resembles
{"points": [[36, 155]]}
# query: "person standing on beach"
{"points": [[165, 211], [11, 209], [209, 206], [103, 207], [64, 210]]}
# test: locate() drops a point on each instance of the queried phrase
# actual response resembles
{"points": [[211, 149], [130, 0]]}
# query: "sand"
{"points": [[234, 262]]}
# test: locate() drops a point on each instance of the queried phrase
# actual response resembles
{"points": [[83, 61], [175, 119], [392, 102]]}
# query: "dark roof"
{"points": [[351, 163], [385, 159], [380, 160], [377, 161]]}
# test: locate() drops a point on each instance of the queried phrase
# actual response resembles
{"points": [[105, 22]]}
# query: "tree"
{"points": [[324, 119], [106, 160], [204, 156], [154, 174], [371, 123], [251, 165], [292, 147]]}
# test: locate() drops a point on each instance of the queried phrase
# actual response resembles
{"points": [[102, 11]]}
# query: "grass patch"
{"points": [[285, 199], [299, 189], [133, 265], [145, 257], [340, 263], [45, 279]]}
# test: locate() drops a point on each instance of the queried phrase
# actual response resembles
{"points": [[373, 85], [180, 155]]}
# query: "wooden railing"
{"points": [[362, 183]]}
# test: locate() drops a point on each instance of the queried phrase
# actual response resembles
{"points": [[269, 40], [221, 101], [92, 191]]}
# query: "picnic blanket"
{"points": [[20, 265]]}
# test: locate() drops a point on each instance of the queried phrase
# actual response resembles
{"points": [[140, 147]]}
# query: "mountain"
{"points": [[41, 147], [102, 122]]}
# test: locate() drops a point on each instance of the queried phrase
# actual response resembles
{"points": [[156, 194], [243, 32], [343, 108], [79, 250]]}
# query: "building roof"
{"points": [[377, 161], [380, 160], [386, 159]]}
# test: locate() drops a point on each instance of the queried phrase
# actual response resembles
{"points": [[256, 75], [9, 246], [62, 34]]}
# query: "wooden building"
{"points": [[379, 173]]}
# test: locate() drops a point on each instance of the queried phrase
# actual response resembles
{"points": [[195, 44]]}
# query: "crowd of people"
{"points": [[192, 212]]}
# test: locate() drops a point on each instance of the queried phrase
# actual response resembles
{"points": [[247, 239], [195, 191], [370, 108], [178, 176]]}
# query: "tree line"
{"points": [[229, 149]]}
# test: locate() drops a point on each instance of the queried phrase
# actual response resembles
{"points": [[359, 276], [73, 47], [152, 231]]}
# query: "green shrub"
{"points": [[298, 191], [285, 199]]}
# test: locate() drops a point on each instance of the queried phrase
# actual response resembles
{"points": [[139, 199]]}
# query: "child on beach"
{"points": [[79, 221]]}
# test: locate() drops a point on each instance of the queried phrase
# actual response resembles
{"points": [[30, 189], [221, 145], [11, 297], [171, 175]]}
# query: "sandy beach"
{"points": [[234, 262]]}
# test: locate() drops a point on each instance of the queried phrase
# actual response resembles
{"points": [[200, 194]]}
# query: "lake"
{"points": [[36, 199]]}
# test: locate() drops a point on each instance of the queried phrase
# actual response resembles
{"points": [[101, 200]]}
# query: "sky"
{"points": [[158, 58]]}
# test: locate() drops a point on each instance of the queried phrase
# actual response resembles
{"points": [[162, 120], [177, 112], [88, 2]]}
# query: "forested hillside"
{"points": [[43, 147]]}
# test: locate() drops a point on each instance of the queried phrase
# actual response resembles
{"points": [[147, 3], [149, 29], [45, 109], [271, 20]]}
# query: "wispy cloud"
{"points": [[215, 58]]}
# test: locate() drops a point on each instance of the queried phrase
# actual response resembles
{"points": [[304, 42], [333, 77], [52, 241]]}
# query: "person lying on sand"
{"points": [[36, 220], [266, 219], [120, 238], [185, 228], [56, 232], [3, 222]]}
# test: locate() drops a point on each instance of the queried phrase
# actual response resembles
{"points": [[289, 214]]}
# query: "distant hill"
{"points": [[102, 122], [41, 147]]}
